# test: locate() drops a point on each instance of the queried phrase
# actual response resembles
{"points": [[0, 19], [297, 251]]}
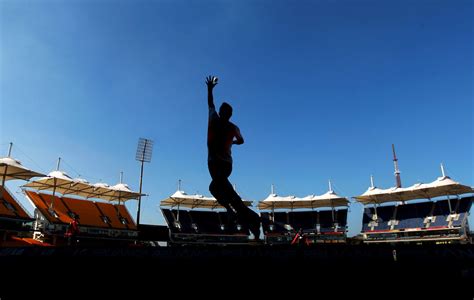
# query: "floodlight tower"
{"points": [[144, 152], [398, 181]]}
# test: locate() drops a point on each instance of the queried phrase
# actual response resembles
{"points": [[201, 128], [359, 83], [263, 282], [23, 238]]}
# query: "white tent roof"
{"points": [[442, 186], [99, 190], [60, 182], [13, 169], [181, 199], [119, 192], [328, 199], [101, 185]]}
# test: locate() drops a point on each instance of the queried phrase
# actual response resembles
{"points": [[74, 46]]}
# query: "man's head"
{"points": [[225, 111]]}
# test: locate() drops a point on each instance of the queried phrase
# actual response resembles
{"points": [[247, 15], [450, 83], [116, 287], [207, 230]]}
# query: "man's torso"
{"points": [[220, 135]]}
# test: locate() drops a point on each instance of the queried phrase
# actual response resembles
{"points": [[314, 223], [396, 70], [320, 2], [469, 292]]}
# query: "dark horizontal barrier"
{"points": [[318, 266]]}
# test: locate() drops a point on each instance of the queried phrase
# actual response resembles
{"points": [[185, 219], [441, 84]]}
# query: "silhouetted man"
{"points": [[221, 135]]}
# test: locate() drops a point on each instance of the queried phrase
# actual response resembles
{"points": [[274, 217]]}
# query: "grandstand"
{"points": [[394, 215], [15, 222], [444, 220], [307, 216], [195, 219], [98, 222]]}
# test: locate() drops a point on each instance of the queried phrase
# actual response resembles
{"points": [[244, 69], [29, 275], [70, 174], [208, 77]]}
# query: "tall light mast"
{"points": [[144, 151], [397, 171]]}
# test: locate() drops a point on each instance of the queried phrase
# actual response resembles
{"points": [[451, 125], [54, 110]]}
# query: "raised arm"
{"points": [[238, 138], [210, 86]]}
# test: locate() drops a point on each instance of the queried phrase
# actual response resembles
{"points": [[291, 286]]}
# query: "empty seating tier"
{"points": [[202, 226], [94, 218], [10, 208], [442, 219]]}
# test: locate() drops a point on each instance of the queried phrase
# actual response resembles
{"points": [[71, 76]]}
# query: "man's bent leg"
{"points": [[216, 190], [246, 215], [219, 172], [225, 194]]}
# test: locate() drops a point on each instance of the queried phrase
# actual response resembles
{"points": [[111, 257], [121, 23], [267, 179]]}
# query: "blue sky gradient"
{"points": [[320, 90]]}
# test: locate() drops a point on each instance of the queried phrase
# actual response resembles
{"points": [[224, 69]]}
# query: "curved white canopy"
{"points": [[119, 192], [60, 182], [275, 201], [181, 199], [328, 199], [442, 186], [11, 169], [100, 185]]}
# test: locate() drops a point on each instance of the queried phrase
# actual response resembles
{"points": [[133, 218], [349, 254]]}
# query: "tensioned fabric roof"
{"points": [[119, 192], [60, 182], [181, 199], [442, 186], [328, 199], [11, 169]]}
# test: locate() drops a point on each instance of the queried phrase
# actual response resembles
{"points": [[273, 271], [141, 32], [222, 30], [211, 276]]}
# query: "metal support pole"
{"points": [[332, 209], [4, 177], [177, 214], [10, 150], [140, 191], [54, 193], [449, 204]]}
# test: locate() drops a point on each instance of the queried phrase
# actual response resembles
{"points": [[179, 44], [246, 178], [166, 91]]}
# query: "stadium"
{"points": [[295, 102], [400, 232]]}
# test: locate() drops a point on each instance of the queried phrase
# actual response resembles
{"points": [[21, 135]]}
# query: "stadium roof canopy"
{"points": [[120, 192], [442, 186], [329, 199], [181, 199], [60, 182], [11, 169]]}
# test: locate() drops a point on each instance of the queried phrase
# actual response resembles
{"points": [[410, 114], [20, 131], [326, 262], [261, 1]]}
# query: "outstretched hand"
{"points": [[210, 82]]}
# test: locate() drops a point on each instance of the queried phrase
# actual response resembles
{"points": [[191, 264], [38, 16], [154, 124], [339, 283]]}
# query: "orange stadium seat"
{"points": [[87, 211], [9, 207], [58, 207], [111, 213], [39, 204], [125, 214], [90, 213]]}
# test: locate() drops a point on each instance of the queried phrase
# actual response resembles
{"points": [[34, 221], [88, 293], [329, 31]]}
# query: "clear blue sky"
{"points": [[320, 89]]}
